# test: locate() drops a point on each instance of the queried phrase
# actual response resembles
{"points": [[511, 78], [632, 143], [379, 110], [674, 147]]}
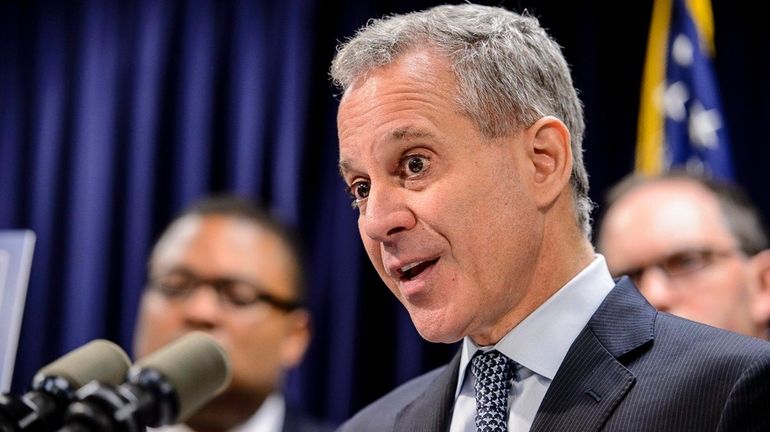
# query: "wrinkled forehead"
{"points": [[405, 100]]}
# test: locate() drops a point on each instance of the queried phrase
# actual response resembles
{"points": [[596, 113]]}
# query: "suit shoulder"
{"points": [[708, 340], [380, 415], [298, 420], [701, 353]]}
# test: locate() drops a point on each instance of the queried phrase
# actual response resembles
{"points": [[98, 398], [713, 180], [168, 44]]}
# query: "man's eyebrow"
{"points": [[398, 134], [343, 166], [409, 132]]}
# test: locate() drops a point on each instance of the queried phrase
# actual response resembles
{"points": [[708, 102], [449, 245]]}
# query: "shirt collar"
{"points": [[541, 341], [269, 416]]}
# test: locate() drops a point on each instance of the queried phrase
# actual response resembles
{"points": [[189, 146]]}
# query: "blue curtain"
{"points": [[115, 114]]}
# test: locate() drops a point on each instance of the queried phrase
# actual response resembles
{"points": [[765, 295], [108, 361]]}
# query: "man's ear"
{"points": [[297, 338], [760, 287], [551, 157]]}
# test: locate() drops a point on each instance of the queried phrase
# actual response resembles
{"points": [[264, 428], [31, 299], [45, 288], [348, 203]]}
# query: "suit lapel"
{"points": [[432, 410], [591, 382]]}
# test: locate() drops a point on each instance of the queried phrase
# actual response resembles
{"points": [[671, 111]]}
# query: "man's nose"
{"points": [[202, 308], [655, 286], [387, 213]]}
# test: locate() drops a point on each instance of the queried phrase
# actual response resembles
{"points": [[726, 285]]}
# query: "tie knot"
{"points": [[493, 365], [494, 372]]}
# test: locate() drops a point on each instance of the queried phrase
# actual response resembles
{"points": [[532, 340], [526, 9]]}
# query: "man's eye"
{"points": [[415, 164], [359, 191], [686, 262], [173, 284], [175, 279], [238, 292]]}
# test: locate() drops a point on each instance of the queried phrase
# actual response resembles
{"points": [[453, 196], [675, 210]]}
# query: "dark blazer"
{"points": [[632, 368], [297, 420]]}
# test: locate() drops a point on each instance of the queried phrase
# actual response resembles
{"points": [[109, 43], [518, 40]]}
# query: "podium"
{"points": [[16, 247]]}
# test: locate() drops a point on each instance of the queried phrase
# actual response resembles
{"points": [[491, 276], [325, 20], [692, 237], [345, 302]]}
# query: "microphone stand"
{"points": [[147, 399], [38, 410]]}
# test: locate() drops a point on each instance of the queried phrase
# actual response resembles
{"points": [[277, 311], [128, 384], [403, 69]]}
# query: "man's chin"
{"points": [[436, 330]]}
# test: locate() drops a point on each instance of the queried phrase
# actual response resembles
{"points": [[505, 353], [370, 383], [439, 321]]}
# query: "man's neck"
{"points": [[225, 412]]}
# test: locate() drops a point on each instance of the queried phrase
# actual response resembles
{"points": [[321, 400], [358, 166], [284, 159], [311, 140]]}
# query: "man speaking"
{"points": [[460, 142]]}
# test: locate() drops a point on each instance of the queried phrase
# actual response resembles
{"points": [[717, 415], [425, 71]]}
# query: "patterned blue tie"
{"points": [[494, 373]]}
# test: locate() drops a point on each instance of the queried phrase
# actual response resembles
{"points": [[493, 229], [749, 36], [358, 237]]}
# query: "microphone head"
{"points": [[99, 360], [195, 365]]}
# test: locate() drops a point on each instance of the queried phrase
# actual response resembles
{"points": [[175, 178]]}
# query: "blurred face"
{"points": [[261, 340], [443, 214], [670, 236]]}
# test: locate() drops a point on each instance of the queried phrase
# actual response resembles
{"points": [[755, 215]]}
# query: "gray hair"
{"points": [[510, 72]]}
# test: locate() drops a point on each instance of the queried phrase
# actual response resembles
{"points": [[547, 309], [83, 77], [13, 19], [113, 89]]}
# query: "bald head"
{"points": [[690, 250]]}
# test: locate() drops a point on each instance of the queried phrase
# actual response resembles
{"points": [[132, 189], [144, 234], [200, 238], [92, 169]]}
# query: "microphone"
{"points": [[164, 388], [54, 386]]}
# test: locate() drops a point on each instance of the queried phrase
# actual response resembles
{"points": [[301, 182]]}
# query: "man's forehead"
{"points": [[180, 231], [230, 231], [665, 217], [401, 133]]}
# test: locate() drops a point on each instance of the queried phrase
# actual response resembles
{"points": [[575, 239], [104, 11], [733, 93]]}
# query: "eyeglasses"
{"points": [[233, 292], [680, 264]]}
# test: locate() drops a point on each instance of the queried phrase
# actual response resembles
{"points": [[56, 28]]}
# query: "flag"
{"points": [[681, 123]]}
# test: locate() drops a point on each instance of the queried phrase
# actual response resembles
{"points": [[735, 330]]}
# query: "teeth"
{"points": [[406, 268]]}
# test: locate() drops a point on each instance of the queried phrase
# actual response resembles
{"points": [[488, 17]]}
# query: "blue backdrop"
{"points": [[115, 114]]}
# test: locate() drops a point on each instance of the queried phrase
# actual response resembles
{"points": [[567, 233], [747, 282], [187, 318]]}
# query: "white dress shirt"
{"points": [[538, 344], [268, 418]]}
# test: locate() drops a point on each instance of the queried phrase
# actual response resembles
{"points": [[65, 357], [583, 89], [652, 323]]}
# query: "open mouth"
{"points": [[413, 270]]}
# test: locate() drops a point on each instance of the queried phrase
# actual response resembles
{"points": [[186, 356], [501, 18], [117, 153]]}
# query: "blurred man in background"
{"points": [[694, 247], [228, 268]]}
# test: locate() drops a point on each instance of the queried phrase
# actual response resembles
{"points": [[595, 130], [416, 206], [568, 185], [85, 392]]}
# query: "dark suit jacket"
{"points": [[297, 420], [632, 368]]}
